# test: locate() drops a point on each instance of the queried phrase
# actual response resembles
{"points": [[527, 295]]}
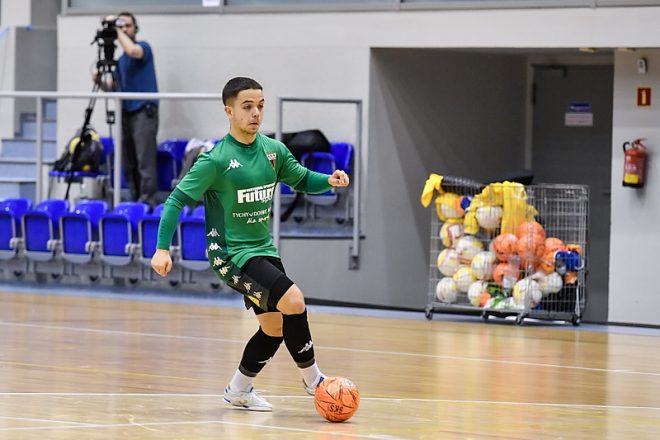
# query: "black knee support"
{"points": [[258, 351], [298, 339]]}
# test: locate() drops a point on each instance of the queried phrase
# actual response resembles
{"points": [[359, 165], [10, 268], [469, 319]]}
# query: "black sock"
{"points": [[298, 339], [258, 351]]}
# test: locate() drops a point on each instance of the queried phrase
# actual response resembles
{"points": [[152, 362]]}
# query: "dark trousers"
{"points": [[139, 146]]}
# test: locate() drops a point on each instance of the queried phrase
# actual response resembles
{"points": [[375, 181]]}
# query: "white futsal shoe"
{"points": [[312, 390], [248, 400]]}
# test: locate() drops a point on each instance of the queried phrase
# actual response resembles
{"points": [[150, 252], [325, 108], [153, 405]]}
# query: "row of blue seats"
{"points": [[90, 231]]}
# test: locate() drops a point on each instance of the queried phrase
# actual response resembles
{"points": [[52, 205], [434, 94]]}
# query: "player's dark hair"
{"points": [[236, 85]]}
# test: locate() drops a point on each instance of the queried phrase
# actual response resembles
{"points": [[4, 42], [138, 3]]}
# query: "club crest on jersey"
{"points": [[272, 157]]}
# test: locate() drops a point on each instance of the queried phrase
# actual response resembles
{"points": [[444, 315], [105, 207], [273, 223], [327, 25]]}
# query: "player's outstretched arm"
{"points": [[338, 178]]}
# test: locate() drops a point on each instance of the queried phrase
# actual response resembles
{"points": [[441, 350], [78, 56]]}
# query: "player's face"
{"points": [[246, 112]]}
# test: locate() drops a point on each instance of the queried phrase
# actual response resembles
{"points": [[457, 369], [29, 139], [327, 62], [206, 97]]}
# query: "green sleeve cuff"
{"points": [[316, 183]]}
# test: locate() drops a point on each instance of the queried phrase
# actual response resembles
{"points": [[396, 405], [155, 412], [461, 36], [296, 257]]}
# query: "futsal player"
{"points": [[237, 179]]}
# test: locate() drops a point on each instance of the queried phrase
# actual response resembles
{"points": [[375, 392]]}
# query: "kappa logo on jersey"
{"points": [[223, 271], [263, 193], [247, 286], [272, 157], [233, 164], [217, 261], [213, 233], [214, 247], [235, 279]]}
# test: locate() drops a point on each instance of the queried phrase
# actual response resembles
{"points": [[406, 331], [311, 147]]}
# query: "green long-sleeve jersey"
{"points": [[237, 182]]}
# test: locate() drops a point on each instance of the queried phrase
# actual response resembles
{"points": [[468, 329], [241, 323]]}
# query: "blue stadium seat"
{"points": [[192, 236], [118, 232], [343, 153], [41, 229], [11, 213], [149, 233], [322, 163], [169, 162], [80, 230]]}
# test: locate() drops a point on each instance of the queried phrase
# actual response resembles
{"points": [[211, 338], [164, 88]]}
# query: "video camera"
{"points": [[105, 64]]}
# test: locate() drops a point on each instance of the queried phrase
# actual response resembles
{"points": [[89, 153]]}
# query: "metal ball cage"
{"points": [[562, 210]]}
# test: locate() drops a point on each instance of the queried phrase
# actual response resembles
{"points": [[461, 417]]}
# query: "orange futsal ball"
{"points": [[504, 246], [527, 229], [336, 399]]}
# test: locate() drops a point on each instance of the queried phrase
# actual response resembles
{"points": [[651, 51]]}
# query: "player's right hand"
{"points": [[161, 262]]}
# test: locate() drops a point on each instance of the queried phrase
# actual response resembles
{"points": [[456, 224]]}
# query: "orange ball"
{"points": [[336, 399], [528, 229], [504, 269], [505, 245], [531, 249], [554, 244], [547, 263]]}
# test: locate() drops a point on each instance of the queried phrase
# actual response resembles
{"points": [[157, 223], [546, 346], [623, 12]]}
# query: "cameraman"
{"points": [[136, 73]]}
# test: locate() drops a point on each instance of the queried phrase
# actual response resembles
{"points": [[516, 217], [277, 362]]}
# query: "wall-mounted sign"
{"points": [[643, 96], [579, 115]]}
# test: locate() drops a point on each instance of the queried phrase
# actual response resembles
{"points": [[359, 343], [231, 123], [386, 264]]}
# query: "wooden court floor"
{"points": [[76, 367]]}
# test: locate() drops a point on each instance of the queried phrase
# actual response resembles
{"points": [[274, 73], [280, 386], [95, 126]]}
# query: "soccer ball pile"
{"points": [[500, 271]]}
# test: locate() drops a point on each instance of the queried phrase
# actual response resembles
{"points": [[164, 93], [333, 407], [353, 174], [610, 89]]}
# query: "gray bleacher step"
{"points": [[21, 148], [19, 167], [17, 187], [29, 129]]}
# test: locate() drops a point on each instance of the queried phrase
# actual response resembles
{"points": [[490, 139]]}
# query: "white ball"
{"points": [[450, 232], [527, 292], [467, 247], [464, 278], [482, 265], [551, 283], [475, 291], [446, 290], [489, 217], [448, 262], [451, 211]]}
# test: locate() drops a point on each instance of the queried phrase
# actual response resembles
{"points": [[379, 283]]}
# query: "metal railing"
{"points": [[118, 98], [354, 251]]}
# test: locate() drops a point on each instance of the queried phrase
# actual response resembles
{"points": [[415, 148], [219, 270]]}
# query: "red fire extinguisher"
{"points": [[634, 164]]}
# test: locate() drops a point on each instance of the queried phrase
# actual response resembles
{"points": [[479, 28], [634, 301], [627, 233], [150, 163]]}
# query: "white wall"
{"points": [[635, 239], [328, 55]]}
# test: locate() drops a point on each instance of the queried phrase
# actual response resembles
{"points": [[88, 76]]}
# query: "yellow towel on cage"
{"points": [[433, 183], [513, 199], [447, 205]]}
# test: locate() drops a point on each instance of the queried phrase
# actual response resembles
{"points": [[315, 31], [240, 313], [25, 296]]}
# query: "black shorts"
{"points": [[262, 282]]}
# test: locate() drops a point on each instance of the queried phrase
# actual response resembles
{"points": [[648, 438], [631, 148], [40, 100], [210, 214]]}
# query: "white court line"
{"points": [[374, 399], [27, 419], [204, 422], [352, 350]]}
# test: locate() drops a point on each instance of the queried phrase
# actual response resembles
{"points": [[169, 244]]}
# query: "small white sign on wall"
{"points": [[579, 119], [579, 115], [210, 3]]}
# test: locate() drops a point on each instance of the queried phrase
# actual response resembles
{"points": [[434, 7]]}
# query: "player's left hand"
{"points": [[338, 178]]}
